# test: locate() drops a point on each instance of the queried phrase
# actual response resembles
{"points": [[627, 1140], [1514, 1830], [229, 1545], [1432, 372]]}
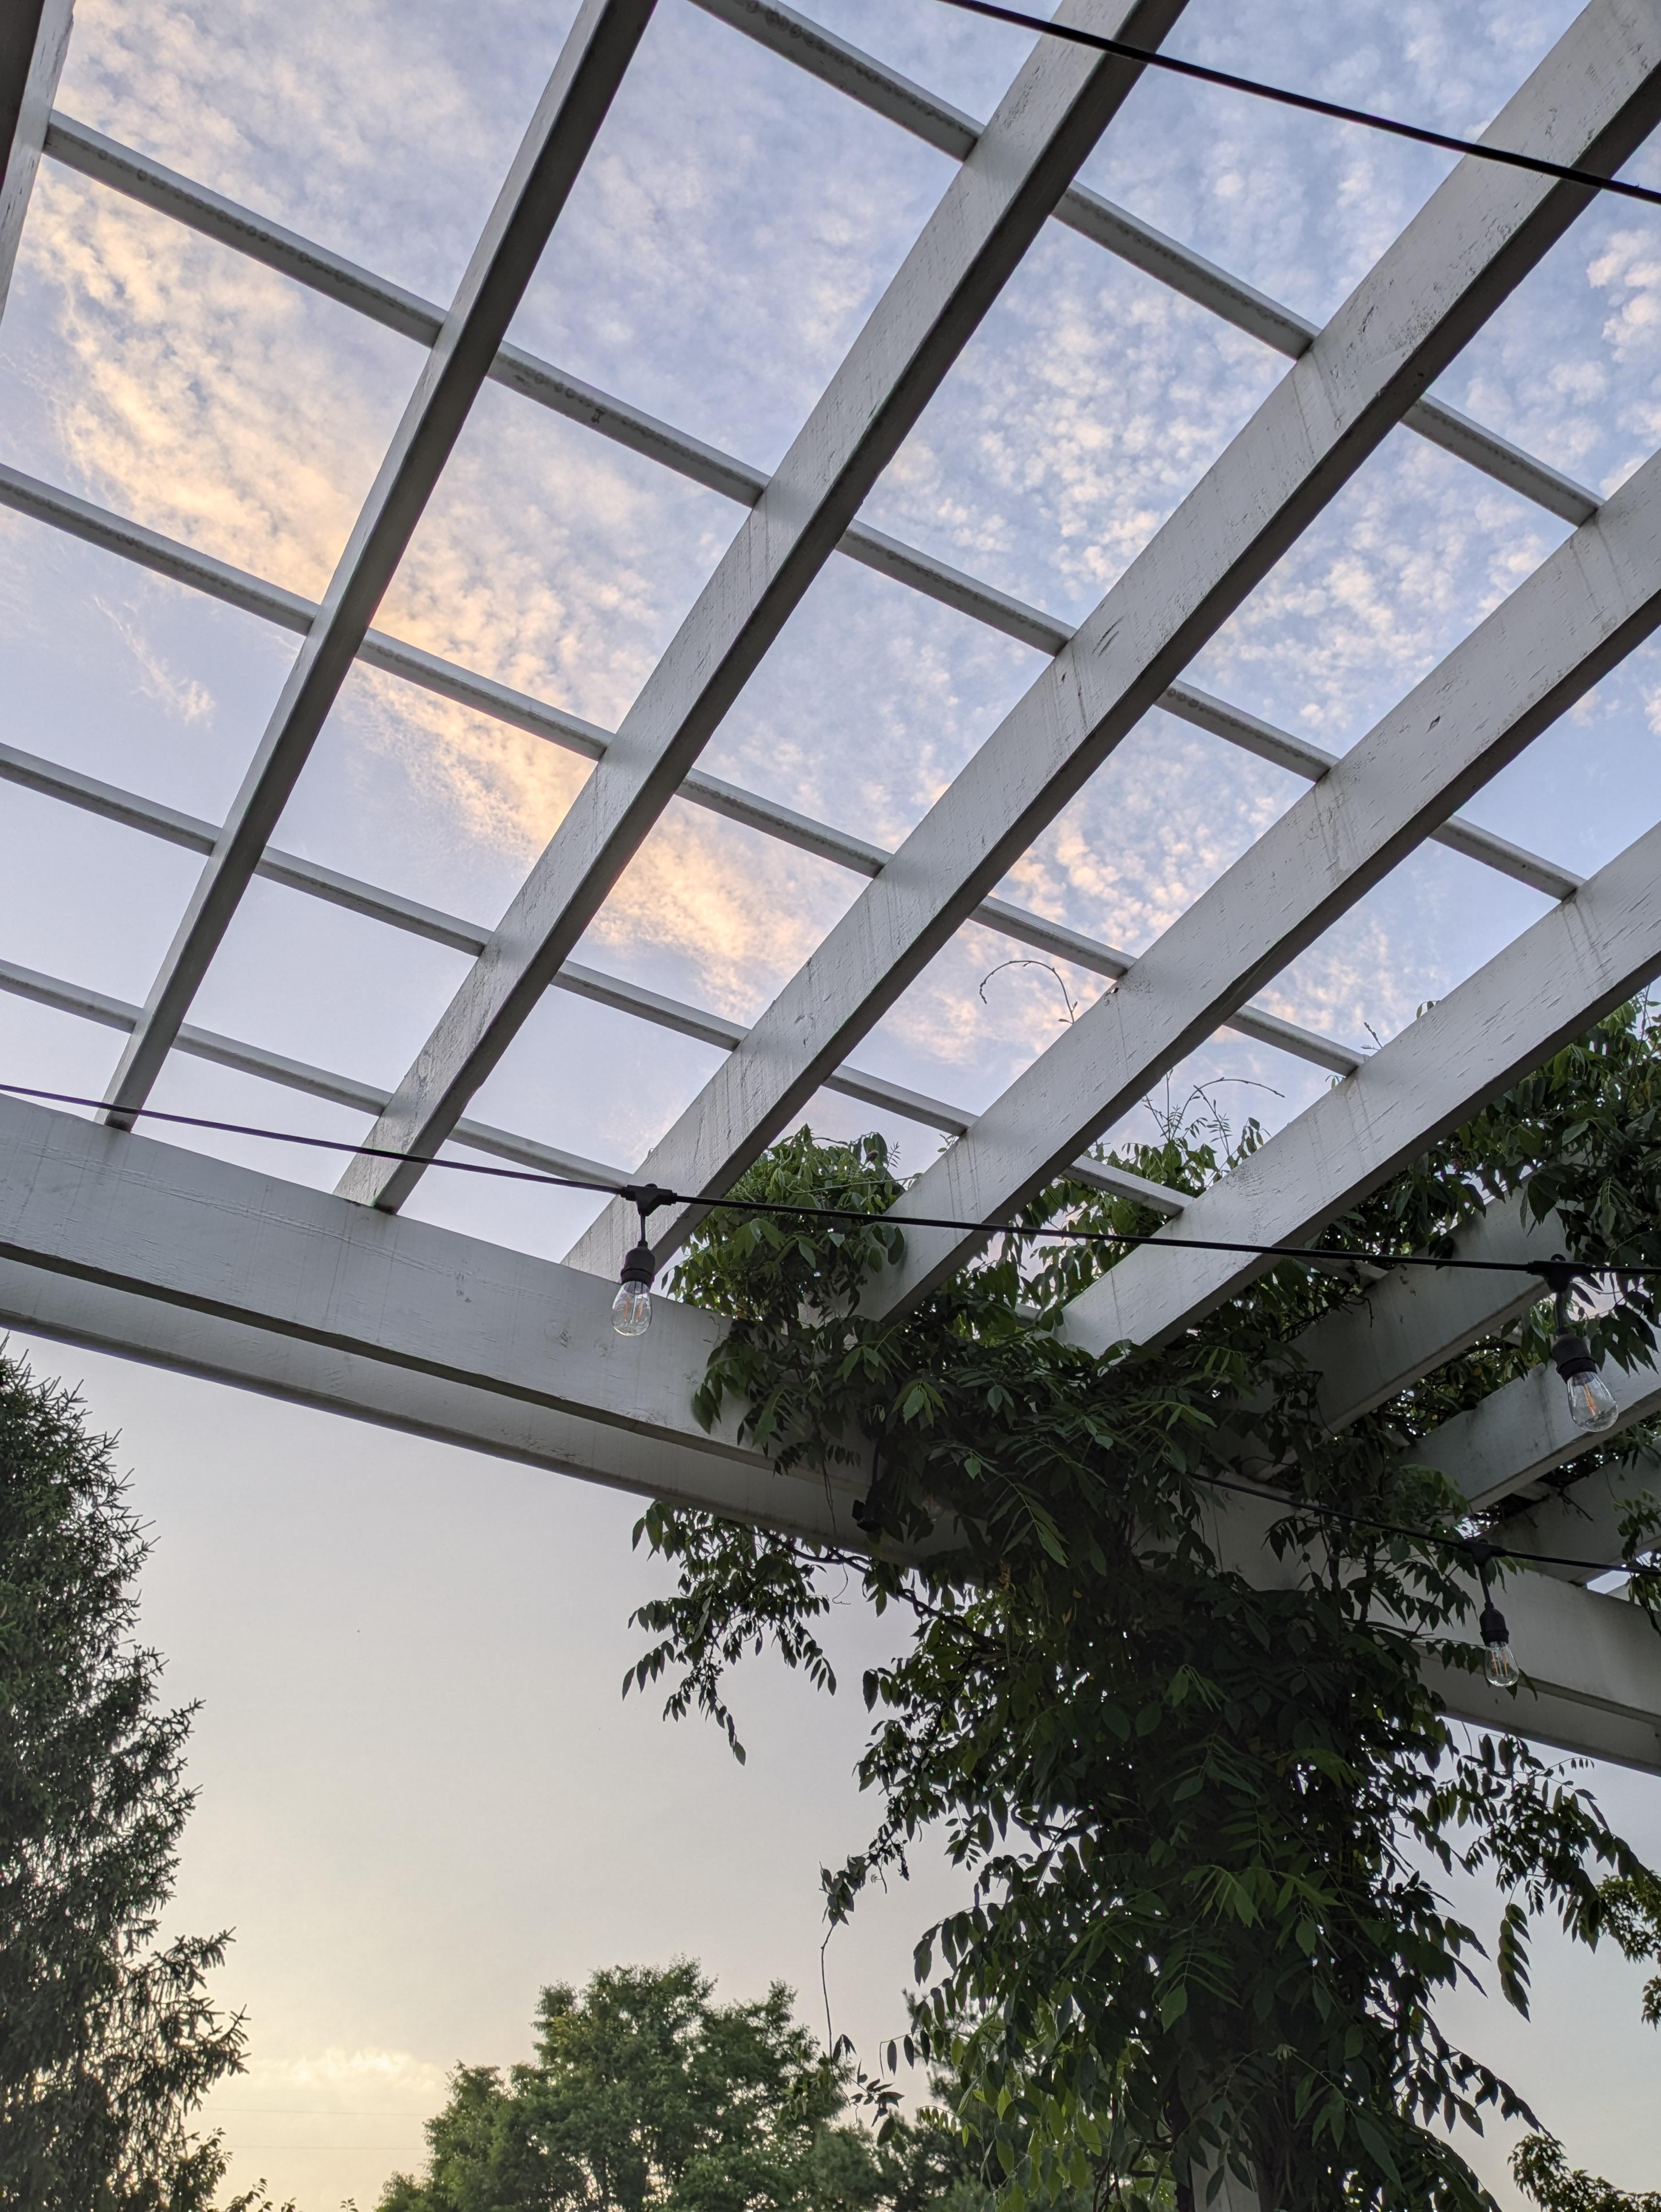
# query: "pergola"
{"points": [[114, 1238]]}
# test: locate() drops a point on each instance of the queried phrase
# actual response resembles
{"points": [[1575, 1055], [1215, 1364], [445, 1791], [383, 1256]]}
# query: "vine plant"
{"points": [[1205, 1823]]}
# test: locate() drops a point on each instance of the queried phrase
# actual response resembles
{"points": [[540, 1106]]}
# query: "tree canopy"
{"points": [[647, 2096], [108, 2037], [1204, 1821]]}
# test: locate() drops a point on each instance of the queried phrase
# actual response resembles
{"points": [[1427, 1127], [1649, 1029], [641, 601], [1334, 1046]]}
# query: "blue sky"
{"points": [[420, 1798]]}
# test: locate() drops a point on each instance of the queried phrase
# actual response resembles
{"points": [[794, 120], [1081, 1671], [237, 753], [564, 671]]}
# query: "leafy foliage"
{"points": [[107, 2041], [1540, 2168], [1202, 1819], [644, 2096], [1634, 1907]]}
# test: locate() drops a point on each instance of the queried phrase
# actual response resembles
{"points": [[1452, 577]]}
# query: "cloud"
{"points": [[183, 696], [731, 231]]}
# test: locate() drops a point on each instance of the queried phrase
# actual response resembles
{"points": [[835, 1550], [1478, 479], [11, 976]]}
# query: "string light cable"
{"points": [[1309, 102], [1499, 1662], [1480, 1550], [1558, 1272], [631, 1309]]}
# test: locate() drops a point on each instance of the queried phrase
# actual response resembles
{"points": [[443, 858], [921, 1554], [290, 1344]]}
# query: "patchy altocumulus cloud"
{"points": [[732, 230]]}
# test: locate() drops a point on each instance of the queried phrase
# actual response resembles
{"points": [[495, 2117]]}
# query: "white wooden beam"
{"points": [[34, 37], [87, 1005], [785, 32], [232, 587], [216, 1243], [1584, 1519], [1583, 608], [1575, 965], [597, 52], [150, 183], [131, 1246], [1592, 1664], [1416, 1318], [1061, 102], [1523, 1431], [92, 154], [1593, 96], [235, 587], [591, 983], [364, 1386]]}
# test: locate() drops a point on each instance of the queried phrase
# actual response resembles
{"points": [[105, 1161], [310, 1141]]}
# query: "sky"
{"points": [[421, 1795]]}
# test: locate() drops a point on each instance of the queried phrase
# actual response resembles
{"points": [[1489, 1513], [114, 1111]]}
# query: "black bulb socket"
{"points": [[638, 1266], [1494, 1632], [1571, 1356]]}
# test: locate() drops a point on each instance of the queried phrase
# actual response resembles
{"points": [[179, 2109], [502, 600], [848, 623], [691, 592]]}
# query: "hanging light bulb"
{"points": [[1499, 1661], [1592, 1403], [631, 1308]]}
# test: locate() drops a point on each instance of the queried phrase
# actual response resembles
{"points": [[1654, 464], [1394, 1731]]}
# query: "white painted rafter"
{"points": [[1584, 1520], [1417, 1318], [119, 1242], [1586, 607], [152, 185], [597, 52], [1061, 100], [1593, 96], [34, 39], [232, 587], [1547, 985], [1521, 1432], [613, 992], [849, 70]]}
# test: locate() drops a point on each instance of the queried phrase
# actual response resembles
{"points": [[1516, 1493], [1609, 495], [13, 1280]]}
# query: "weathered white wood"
{"points": [[850, 70], [141, 1248], [1583, 1521], [1059, 104], [1523, 1431], [1594, 1668], [155, 187], [1595, 94], [1588, 605], [597, 52], [1594, 599], [365, 1386], [1409, 1320], [90, 1005], [1576, 963], [164, 557], [34, 37], [1414, 1320], [216, 1240], [113, 804], [1592, 1664]]}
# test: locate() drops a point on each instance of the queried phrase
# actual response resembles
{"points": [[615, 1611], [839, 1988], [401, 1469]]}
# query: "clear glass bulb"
{"points": [[1591, 1406], [631, 1309], [1499, 1665]]}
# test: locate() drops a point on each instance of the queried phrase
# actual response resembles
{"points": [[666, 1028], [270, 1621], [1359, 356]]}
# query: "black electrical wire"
{"points": [[650, 1196], [1308, 101], [1469, 1547], [1464, 1545]]}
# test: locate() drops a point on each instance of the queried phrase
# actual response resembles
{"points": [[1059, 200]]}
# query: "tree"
{"points": [[107, 2039], [1201, 1818], [1540, 2167], [646, 2096]]}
